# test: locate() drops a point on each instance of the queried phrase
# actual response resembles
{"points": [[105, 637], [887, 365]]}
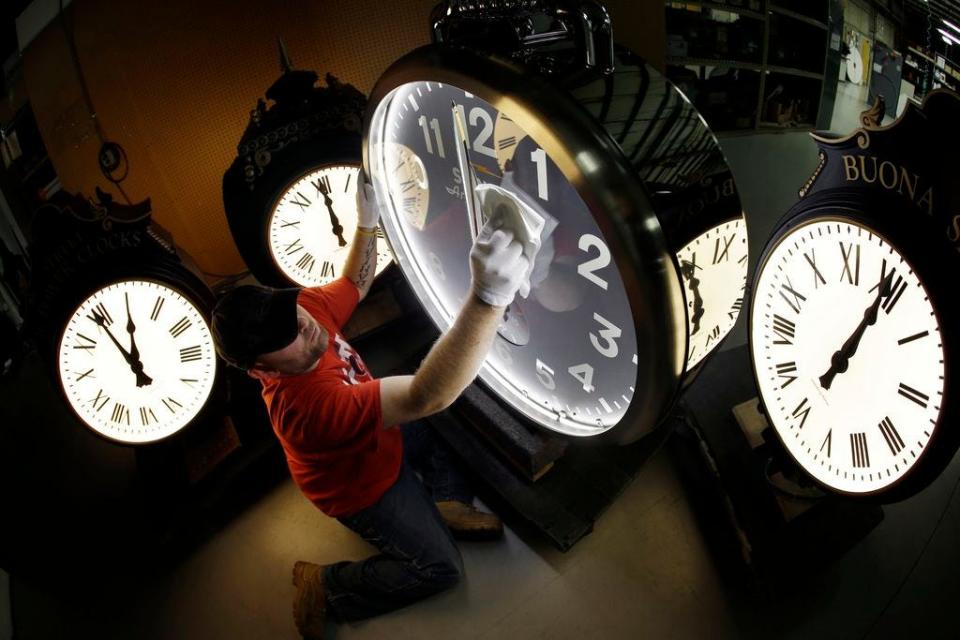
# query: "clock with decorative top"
{"points": [[852, 310], [312, 223], [136, 360], [290, 194]]}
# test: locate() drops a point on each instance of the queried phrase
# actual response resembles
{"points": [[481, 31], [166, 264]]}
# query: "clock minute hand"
{"points": [[135, 365], [466, 171], [841, 357]]}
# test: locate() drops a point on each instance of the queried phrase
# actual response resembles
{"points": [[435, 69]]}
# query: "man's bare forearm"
{"points": [[455, 358], [361, 263]]}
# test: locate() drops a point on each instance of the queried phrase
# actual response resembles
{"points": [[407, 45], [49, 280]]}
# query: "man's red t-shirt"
{"points": [[329, 420]]}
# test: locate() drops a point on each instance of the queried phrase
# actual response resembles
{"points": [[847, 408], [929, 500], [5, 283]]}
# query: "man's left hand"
{"points": [[368, 210]]}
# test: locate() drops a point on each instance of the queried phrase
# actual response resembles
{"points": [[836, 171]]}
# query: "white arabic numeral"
{"points": [[546, 374], [435, 125], [480, 143], [589, 241], [539, 157], [609, 335], [584, 374]]}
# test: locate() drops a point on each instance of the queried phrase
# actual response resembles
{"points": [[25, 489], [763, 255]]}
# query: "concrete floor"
{"points": [[646, 571]]}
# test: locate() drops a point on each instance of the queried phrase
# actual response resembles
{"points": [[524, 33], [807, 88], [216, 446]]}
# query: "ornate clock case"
{"points": [[289, 195], [646, 251], [853, 310], [120, 314]]}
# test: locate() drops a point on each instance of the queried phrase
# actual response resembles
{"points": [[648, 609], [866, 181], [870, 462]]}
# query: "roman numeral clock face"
{"points": [[714, 270], [313, 223], [136, 361], [848, 356]]}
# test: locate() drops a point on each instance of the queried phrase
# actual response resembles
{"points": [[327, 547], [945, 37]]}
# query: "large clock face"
{"points": [[136, 361], [313, 222], [575, 365], [848, 355]]}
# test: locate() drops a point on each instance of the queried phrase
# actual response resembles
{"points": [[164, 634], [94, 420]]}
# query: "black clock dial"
{"points": [[577, 372]]}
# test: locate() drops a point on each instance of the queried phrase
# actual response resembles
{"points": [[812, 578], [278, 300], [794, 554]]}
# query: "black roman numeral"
{"points": [[784, 369], [896, 290], [322, 184], [713, 335], [189, 354], [722, 254], [916, 336], [101, 398], [87, 343], [146, 415], [802, 411], [913, 395], [84, 375], [169, 403], [735, 308], [182, 325], [120, 413], [827, 442], [858, 450], [798, 297], [100, 315], [189, 381], [288, 223], [506, 143], [300, 200], [894, 441], [785, 329], [293, 247], [306, 262], [157, 306], [347, 183], [327, 270], [852, 275], [818, 278], [406, 185]]}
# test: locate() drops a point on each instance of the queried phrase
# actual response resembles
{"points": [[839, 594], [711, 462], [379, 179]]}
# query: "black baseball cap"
{"points": [[251, 320]]}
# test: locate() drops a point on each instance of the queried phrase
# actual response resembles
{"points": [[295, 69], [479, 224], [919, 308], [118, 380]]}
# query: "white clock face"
{"points": [[848, 355], [313, 223], [137, 361], [575, 366], [714, 270]]}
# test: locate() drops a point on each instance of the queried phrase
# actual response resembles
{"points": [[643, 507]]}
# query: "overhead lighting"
{"points": [[948, 36], [946, 39], [951, 25]]}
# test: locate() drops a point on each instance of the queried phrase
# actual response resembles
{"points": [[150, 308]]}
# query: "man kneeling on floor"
{"points": [[354, 443]]}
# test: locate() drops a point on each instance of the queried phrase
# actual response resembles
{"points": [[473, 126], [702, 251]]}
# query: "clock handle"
{"points": [[585, 23]]}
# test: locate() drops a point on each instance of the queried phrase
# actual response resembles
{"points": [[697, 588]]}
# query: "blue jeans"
{"points": [[418, 556]]}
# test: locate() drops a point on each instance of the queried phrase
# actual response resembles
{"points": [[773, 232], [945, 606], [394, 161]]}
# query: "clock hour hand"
{"points": [[334, 220], [687, 269], [135, 365], [841, 357]]}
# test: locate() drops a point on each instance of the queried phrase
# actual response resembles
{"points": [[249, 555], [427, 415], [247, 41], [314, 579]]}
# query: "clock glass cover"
{"points": [[312, 223], [136, 361], [566, 356], [848, 354]]}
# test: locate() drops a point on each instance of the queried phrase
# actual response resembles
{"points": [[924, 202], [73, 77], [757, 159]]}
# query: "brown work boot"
{"points": [[310, 601], [466, 522]]}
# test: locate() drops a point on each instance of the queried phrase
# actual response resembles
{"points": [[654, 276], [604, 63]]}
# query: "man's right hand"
{"points": [[497, 264]]}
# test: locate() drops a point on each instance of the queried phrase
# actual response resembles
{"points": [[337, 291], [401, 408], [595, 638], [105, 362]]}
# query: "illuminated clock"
{"points": [[848, 349], [136, 360], [312, 224], [714, 270]]}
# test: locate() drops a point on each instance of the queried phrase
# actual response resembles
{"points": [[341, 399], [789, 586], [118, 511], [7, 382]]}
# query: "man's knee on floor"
{"points": [[445, 573]]}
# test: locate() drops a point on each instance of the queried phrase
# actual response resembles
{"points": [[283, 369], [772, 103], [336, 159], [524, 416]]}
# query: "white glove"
{"points": [[368, 210], [527, 220], [497, 264]]}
